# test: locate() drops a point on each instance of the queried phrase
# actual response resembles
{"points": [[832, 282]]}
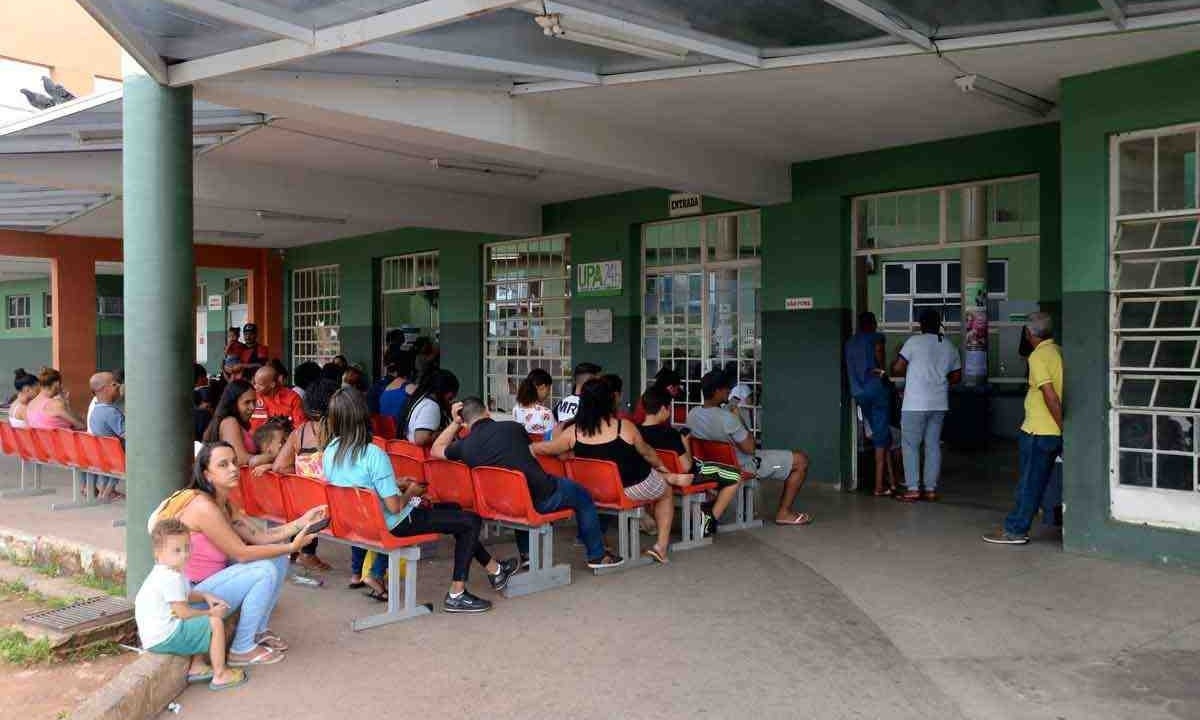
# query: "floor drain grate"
{"points": [[83, 615]]}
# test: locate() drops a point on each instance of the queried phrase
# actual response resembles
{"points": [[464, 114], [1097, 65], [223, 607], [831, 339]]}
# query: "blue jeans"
{"points": [[1037, 465], [569, 495], [922, 427], [379, 563], [100, 480], [252, 586]]}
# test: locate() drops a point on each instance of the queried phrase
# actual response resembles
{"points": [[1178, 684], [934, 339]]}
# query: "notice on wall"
{"points": [[680, 204], [975, 316], [598, 326], [798, 303], [216, 302], [599, 278]]}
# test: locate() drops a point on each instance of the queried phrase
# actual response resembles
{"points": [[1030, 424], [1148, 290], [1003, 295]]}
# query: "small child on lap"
{"points": [[166, 621]]}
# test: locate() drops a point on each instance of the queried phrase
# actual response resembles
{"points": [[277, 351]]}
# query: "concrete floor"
{"points": [[878, 610]]}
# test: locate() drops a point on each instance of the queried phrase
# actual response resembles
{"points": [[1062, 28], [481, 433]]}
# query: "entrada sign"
{"points": [[684, 204], [599, 278]]}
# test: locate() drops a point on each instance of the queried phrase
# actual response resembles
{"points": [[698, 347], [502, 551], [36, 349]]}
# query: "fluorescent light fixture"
{"points": [[225, 235], [1002, 94], [552, 26], [296, 217], [486, 169]]}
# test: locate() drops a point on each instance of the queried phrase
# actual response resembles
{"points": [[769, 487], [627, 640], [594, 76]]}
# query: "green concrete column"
{"points": [[159, 268]]}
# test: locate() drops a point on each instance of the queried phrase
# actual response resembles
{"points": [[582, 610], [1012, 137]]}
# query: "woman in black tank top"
{"points": [[598, 433]]}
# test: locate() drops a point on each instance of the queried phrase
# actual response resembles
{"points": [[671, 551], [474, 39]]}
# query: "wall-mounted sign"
{"points": [[684, 204], [799, 303], [597, 326], [216, 302], [599, 278]]}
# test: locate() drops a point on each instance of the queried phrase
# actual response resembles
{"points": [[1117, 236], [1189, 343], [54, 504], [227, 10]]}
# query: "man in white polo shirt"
{"points": [[929, 364]]}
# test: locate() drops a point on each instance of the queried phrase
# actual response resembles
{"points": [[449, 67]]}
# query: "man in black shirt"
{"points": [[660, 435], [506, 445]]}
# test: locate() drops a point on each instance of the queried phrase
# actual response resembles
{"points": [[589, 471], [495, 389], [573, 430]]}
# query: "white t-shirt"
{"points": [[427, 415], [537, 418], [929, 362], [88, 419], [152, 606], [567, 408]]}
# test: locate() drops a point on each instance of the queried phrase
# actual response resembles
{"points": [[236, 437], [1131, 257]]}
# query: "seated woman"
{"points": [[429, 408], [600, 434], [301, 455], [531, 410], [52, 407], [351, 460], [231, 424], [232, 558], [27, 388]]}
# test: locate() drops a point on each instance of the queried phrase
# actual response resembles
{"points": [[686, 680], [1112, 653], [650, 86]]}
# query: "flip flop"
{"points": [[356, 585], [264, 656], [801, 519], [271, 640], [242, 677], [379, 595], [199, 678], [656, 556]]}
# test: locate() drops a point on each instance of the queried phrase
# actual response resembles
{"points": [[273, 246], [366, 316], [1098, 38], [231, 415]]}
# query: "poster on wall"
{"points": [[598, 278], [975, 324], [598, 326]]}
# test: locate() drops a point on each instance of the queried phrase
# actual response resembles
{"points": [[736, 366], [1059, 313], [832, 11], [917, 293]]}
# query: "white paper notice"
{"points": [[597, 326]]}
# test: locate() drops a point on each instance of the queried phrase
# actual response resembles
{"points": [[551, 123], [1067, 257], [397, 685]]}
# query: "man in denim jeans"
{"points": [[1041, 433], [506, 445], [929, 364]]}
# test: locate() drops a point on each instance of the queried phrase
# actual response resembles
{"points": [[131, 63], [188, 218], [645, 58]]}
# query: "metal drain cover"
{"points": [[83, 615]]}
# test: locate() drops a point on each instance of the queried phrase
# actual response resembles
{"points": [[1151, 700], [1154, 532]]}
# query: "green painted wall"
{"points": [[218, 320], [816, 227], [1094, 107], [461, 298]]}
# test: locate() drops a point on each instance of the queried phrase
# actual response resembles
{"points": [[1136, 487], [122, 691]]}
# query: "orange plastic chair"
{"points": [[356, 518], [450, 482], [384, 426], [502, 494], [66, 448], [8, 442], [112, 455], [267, 491], [407, 449], [27, 447], [379, 442], [406, 467], [90, 452], [602, 480], [301, 494], [717, 452], [42, 443], [552, 465]]}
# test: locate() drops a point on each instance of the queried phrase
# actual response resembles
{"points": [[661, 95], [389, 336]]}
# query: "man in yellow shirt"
{"points": [[1041, 433]]}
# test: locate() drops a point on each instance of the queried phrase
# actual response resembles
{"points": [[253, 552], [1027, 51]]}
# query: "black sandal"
{"points": [[356, 585], [379, 595]]}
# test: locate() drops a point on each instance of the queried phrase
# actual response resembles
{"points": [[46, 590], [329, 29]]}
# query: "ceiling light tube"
{"points": [[225, 235], [487, 169], [1002, 94], [552, 26], [296, 217]]}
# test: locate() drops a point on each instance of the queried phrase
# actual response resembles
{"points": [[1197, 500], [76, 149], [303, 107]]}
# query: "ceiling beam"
{"points": [[478, 62], [649, 31], [902, 28], [244, 17], [1116, 12], [127, 36], [346, 36]]}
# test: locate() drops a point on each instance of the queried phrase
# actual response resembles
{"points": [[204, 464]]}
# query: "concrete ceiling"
{"points": [[13, 268]]}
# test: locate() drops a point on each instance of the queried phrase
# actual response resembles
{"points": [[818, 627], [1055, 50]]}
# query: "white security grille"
{"points": [[701, 280], [316, 314], [18, 312], [1155, 321], [527, 306]]}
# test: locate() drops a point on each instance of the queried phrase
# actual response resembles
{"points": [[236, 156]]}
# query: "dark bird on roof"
{"points": [[38, 100], [56, 91]]}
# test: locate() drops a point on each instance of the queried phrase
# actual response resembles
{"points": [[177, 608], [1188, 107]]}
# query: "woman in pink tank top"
{"points": [[232, 557], [231, 424], [51, 409]]}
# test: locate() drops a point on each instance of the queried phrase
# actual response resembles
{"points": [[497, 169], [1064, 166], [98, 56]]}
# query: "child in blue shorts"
{"points": [[166, 621]]}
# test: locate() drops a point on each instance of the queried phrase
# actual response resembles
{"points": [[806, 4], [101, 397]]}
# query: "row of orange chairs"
{"points": [[68, 448]]}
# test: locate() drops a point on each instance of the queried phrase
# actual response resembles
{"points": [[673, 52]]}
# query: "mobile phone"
{"points": [[318, 526]]}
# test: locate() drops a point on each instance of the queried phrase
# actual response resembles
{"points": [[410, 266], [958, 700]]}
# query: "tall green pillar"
{"points": [[159, 263]]}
